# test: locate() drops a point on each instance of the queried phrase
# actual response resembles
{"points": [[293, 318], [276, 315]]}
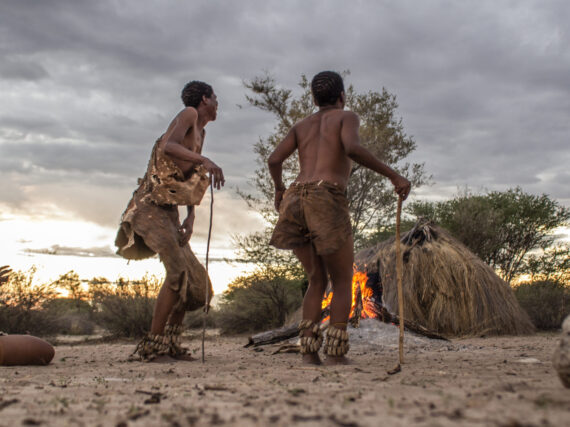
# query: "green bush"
{"points": [[125, 310], [258, 302], [546, 302], [22, 306], [18, 320], [75, 316], [195, 319]]}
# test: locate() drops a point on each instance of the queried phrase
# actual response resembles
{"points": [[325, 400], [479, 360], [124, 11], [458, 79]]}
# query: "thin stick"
{"points": [[399, 268], [206, 304]]}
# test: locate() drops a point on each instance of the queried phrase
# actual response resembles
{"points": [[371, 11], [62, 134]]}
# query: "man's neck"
{"points": [[329, 107], [336, 106], [202, 121]]}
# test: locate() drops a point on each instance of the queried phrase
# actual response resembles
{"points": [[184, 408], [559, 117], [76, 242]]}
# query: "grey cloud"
{"points": [[483, 88], [70, 157], [13, 68]]}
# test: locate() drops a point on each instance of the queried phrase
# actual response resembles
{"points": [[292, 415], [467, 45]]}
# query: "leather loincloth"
{"points": [[315, 212]]}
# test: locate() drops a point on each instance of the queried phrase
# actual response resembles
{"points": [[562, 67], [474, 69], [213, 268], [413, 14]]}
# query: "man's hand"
{"points": [[215, 173], [402, 186], [186, 229], [278, 197], [4, 274]]}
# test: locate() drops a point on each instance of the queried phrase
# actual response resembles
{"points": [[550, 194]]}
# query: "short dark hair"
{"points": [[194, 91], [327, 87]]}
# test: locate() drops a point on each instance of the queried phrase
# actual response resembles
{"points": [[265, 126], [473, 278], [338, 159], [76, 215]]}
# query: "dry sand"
{"points": [[496, 381]]}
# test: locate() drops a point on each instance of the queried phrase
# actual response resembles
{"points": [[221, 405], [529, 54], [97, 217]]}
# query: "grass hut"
{"points": [[446, 287]]}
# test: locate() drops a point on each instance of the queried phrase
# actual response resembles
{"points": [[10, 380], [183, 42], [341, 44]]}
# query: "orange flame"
{"points": [[359, 280]]}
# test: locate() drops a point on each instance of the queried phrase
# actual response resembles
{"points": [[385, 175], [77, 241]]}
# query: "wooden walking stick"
{"points": [[207, 303], [399, 268]]}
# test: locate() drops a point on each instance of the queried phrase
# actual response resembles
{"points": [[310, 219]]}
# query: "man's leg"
{"points": [[340, 268], [154, 347], [317, 275], [165, 302], [164, 314], [158, 227], [189, 277]]}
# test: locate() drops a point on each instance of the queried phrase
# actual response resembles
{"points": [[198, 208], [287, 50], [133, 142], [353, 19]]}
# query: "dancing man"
{"points": [[177, 175], [314, 219]]}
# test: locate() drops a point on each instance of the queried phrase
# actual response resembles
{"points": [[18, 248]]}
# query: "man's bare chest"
{"points": [[193, 141]]}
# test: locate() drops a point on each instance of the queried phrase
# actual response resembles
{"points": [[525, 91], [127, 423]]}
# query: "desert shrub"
{"points": [[22, 305], [17, 320], [75, 324], [75, 316], [258, 302], [128, 316], [195, 319], [546, 302], [125, 308]]}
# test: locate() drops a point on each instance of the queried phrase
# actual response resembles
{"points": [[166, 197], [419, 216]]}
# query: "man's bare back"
{"points": [[327, 140], [321, 153]]}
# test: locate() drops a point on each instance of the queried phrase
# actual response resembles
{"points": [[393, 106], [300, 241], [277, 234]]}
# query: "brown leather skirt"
{"points": [[313, 213], [147, 229]]}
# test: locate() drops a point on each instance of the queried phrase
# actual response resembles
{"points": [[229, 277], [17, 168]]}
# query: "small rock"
{"points": [[561, 357]]}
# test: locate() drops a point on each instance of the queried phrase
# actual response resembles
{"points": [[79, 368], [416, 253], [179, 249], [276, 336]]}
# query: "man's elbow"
{"points": [[352, 151], [273, 161], [169, 147]]}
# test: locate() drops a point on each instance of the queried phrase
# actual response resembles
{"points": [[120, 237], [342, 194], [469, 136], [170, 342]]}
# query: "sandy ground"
{"points": [[496, 381]]}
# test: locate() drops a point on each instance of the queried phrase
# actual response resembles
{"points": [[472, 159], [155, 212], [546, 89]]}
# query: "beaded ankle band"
{"points": [[152, 346], [310, 344], [336, 343], [173, 333]]}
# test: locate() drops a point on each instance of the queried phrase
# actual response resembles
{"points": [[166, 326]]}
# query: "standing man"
{"points": [[314, 219], [177, 174]]}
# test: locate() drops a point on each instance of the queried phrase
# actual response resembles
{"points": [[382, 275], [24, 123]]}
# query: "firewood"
{"points": [[273, 336]]}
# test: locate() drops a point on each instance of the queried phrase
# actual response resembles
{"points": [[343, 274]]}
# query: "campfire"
{"points": [[366, 298]]}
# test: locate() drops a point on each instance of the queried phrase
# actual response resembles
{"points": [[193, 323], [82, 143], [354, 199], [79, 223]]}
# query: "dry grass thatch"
{"points": [[446, 287]]}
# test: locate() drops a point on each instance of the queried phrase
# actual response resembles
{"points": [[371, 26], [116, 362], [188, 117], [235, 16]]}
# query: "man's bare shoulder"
{"points": [[350, 115], [189, 114], [180, 124]]}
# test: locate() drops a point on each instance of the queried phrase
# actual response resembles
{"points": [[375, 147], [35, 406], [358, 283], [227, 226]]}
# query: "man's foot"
{"points": [[337, 360], [312, 359]]}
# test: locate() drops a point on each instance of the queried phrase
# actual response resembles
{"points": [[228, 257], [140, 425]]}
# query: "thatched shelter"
{"points": [[446, 287]]}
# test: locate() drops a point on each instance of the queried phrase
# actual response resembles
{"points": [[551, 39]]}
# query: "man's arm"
{"points": [[275, 163], [173, 147], [187, 226], [351, 143]]}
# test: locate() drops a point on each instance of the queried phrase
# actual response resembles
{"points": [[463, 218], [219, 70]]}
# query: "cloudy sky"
{"points": [[86, 87]]}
